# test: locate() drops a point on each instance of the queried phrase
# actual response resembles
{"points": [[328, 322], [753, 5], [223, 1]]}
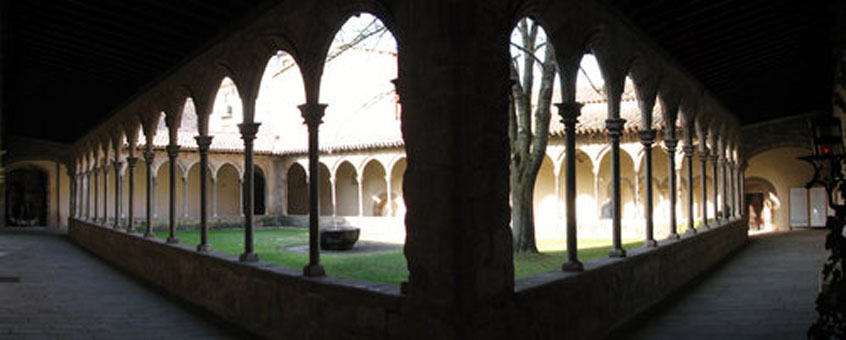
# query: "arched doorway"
{"points": [[297, 190], [26, 197], [762, 202], [258, 192]]}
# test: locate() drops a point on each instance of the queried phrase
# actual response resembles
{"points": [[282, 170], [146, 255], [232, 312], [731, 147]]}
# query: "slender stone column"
{"points": [[703, 159], [741, 181], [361, 194], [248, 134], [154, 190], [671, 144], [688, 156], [615, 130], [214, 196], [172, 153], [105, 194], [184, 179], [71, 194], [96, 172], [313, 115], [724, 183], [715, 159], [570, 112], [117, 165], [733, 189], [646, 138], [149, 157], [334, 181], [131, 162], [203, 143], [87, 194]]}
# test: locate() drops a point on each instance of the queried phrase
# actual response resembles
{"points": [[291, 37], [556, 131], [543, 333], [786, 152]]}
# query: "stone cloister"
{"points": [[633, 168]]}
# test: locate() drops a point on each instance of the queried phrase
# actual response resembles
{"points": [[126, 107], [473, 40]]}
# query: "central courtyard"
{"points": [[376, 261]]}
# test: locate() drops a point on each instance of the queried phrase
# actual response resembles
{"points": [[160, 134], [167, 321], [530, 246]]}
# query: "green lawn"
{"points": [[388, 266]]}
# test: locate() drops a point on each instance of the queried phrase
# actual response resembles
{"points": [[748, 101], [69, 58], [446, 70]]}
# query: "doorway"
{"points": [[26, 197]]}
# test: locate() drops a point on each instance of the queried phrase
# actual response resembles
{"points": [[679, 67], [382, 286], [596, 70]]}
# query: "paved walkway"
{"points": [[66, 293], [766, 291]]}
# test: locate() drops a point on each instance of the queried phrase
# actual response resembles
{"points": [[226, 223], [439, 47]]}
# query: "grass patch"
{"points": [[386, 266], [526, 265]]}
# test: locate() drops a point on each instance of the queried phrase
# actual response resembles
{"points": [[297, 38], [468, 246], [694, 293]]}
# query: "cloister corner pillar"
{"points": [[248, 134], [570, 112], [172, 154], [646, 138], [203, 144], [615, 131], [131, 162], [313, 115]]}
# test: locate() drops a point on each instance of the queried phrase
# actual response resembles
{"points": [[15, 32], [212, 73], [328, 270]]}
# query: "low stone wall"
{"points": [[276, 302], [268, 300], [612, 291]]}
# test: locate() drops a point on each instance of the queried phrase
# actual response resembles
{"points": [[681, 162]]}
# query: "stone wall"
{"points": [[267, 300], [612, 291], [277, 302]]}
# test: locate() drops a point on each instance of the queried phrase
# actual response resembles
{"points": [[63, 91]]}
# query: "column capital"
{"points": [[646, 136], [131, 161], [248, 131], [569, 112], [203, 142], [671, 143], [172, 150], [117, 164], [703, 154], [313, 114], [615, 127], [149, 156], [689, 150]]}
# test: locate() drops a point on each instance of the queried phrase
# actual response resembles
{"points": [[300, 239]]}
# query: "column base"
{"points": [[314, 270], [172, 240], [248, 257], [673, 236], [149, 235], [619, 252], [203, 248], [650, 243], [690, 231], [572, 266], [130, 230]]}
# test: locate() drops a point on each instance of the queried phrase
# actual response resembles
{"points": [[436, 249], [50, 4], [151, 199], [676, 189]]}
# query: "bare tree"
{"points": [[528, 132]]}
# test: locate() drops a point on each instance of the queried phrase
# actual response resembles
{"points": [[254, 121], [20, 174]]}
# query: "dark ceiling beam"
{"points": [[99, 48], [103, 37], [176, 25], [116, 64], [756, 25]]}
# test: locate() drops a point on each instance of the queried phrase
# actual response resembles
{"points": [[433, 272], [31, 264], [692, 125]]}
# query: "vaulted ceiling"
{"points": [[70, 63]]}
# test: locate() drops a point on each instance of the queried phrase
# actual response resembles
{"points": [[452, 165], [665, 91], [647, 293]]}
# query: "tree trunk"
{"points": [[528, 133], [522, 215]]}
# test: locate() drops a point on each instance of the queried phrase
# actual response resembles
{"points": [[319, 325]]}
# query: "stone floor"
{"points": [[766, 291], [65, 293]]}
